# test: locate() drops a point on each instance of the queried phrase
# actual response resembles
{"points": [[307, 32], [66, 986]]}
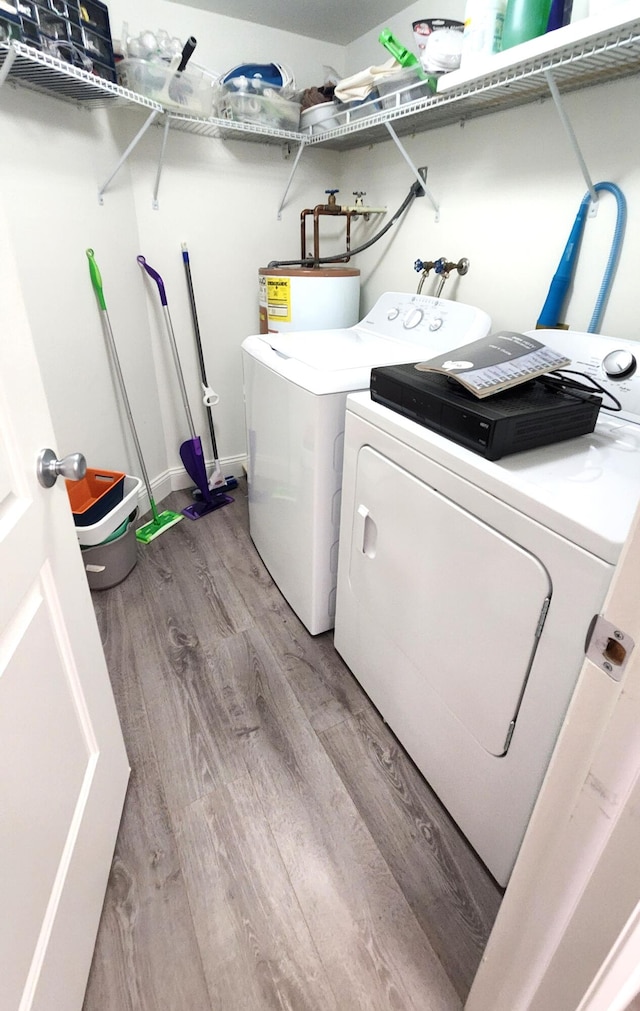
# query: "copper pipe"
{"points": [[303, 237], [335, 212], [324, 210]]}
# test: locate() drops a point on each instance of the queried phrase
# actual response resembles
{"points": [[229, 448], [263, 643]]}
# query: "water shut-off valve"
{"points": [[441, 266]]}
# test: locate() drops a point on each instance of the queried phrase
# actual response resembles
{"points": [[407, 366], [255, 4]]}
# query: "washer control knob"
{"points": [[619, 364], [412, 319], [435, 324], [393, 313]]}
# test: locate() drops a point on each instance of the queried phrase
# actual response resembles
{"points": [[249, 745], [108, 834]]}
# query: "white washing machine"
{"points": [[466, 589], [295, 389]]}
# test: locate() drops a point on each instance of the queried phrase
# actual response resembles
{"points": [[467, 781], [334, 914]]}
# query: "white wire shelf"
{"points": [[578, 58], [606, 55], [227, 129], [44, 73]]}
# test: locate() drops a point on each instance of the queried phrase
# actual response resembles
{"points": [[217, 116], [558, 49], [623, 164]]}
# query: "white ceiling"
{"points": [[339, 21]]}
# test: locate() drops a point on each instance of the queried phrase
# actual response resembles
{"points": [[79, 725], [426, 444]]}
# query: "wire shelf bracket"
{"points": [[165, 134], [401, 149], [140, 134], [566, 122], [7, 65], [290, 180]]}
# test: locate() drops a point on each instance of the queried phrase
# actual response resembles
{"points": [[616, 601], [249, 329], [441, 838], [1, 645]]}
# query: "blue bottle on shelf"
{"points": [[560, 14]]}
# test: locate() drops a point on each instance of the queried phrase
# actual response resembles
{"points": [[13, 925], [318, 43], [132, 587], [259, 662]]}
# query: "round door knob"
{"points": [[48, 468]]}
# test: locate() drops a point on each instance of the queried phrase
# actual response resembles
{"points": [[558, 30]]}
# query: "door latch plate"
{"points": [[608, 647]]}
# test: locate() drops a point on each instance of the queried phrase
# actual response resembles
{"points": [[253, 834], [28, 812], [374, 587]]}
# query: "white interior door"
{"points": [[63, 766], [567, 936]]}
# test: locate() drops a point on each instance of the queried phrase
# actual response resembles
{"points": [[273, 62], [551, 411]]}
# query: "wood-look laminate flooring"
{"points": [[278, 849]]}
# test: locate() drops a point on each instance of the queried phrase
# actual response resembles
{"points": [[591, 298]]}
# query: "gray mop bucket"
{"points": [[108, 563]]}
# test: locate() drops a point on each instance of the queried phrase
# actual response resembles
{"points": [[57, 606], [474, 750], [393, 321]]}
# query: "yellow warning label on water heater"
{"points": [[279, 299]]}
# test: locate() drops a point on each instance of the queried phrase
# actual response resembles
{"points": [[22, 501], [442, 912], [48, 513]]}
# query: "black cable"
{"points": [[340, 257], [557, 379]]}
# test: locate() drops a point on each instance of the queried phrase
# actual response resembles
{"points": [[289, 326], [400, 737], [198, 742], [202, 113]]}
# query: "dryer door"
{"points": [[462, 602]]}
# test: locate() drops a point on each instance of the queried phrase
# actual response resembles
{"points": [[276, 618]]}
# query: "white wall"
{"points": [[225, 42], [220, 198], [508, 184], [509, 187], [54, 156], [367, 51]]}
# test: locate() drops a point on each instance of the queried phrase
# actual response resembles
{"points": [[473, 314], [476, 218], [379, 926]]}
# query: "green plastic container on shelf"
{"points": [[524, 20]]}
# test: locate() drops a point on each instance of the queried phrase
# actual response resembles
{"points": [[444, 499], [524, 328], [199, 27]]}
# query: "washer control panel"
{"points": [[619, 364], [414, 318], [612, 362]]}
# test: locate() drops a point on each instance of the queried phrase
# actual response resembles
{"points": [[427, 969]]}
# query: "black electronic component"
{"points": [[523, 417]]}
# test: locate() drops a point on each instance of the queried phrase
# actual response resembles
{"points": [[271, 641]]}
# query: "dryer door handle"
{"points": [[366, 532]]}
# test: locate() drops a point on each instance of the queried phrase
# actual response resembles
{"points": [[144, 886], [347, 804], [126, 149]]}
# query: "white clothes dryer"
{"points": [[295, 389], [466, 589]]}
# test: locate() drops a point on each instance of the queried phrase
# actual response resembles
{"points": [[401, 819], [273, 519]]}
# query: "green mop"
{"points": [[161, 521]]}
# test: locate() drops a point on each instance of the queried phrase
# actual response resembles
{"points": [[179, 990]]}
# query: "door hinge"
{"points": [[608, 647], [543, 617]]}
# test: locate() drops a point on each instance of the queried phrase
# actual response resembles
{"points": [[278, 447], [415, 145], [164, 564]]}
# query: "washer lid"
{"points": [[333, 361], [337, 350]]}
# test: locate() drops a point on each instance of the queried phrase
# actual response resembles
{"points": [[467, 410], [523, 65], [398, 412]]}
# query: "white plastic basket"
{"points": [[98, 532]]}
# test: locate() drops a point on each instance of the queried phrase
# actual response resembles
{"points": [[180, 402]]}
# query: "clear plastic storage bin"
{"points": [[190, 92], [403, 87], [266, 106], [349, 112], [319, 118]]}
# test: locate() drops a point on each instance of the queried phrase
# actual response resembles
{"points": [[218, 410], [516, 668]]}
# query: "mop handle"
{"points": [[156, 277], [208, 400], [96, 281], [172, 339]]}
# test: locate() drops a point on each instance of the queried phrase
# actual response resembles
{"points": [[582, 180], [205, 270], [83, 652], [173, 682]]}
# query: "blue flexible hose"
{"points": [[614, 255], [552, 308]]}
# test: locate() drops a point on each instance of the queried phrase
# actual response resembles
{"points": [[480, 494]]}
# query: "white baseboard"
{"points": [[176, 478], [231, 466]]}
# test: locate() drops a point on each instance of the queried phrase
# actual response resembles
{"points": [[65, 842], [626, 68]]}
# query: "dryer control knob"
{"points": [[412, 319], [393, 313], [619, 364], [435, 324]]}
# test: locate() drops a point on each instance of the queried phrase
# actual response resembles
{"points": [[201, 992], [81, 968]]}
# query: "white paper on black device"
{"points": [[496, 362]]}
